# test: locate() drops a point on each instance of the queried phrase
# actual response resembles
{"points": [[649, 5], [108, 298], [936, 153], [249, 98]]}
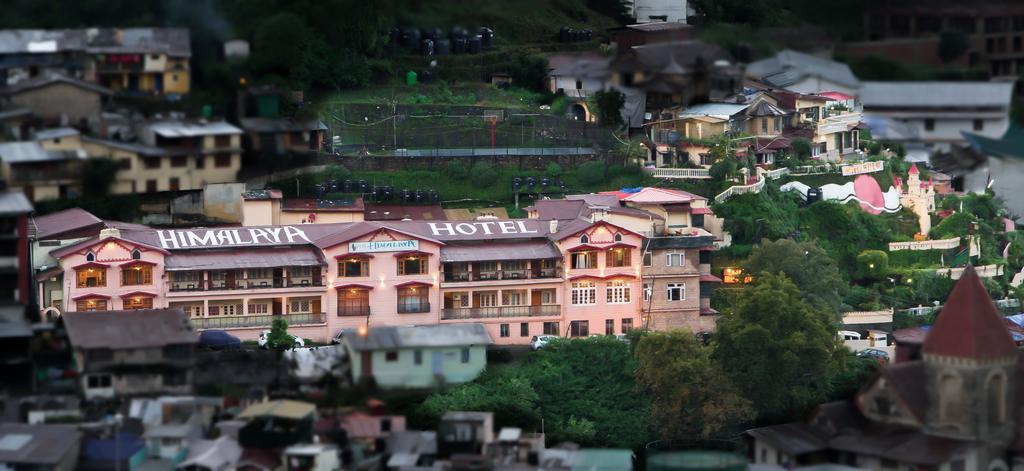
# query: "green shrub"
{"points": [[801, 149], [872, 264], [457, 169], [484, 175], [862, 298], [554, 170], [591, 173]]}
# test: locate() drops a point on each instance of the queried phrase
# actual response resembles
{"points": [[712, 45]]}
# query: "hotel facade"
{"points": [[519, 278]]}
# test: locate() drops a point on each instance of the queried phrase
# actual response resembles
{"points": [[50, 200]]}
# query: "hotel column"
{"points": [[245, 306], [206, 307]]}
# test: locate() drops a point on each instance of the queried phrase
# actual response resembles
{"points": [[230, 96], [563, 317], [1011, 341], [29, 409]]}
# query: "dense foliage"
{"points": [[804, 264]]}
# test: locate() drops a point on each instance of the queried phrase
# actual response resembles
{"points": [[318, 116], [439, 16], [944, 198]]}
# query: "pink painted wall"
{"points": [[112, 253]]}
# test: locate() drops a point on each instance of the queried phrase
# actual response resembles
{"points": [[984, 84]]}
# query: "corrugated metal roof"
{"points": [[281, 125], [14, 202], [56, 132], [441, 335], [23, 151], [533, 249], [789, 66], [42, 444], [714, 110], [936, 94], [287, 409], [50, 78], [144, 328], [192, 128], [265, 257], [171, 41]]}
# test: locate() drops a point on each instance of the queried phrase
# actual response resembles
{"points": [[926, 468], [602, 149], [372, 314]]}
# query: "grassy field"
{"points": [[464, 93]]}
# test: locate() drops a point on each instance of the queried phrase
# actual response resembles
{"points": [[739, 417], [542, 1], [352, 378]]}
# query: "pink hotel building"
{"points": [[519, 278]]}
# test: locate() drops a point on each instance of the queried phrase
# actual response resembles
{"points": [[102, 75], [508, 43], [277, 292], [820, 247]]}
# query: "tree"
{"points": [[801, 149], [872, 265], [278, 45], [591, 173], [952, 44], [752, 216], [806, 265], [279, 338], [690, 394], [97, 176], [609, 107], [511, 398], [778, 349], [484, 175], [553, 170]]}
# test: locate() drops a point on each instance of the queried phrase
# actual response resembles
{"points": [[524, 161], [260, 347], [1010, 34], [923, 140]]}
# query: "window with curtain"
{"points": [[584, 292], [412, 265]]}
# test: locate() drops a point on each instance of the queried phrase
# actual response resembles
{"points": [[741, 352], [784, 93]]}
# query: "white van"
{"points": [[848, 335]]}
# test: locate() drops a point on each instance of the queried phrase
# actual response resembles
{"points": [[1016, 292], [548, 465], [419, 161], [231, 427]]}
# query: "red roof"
{"points": [[708, 278], [837, 96], [913, 169], [969, 325]]}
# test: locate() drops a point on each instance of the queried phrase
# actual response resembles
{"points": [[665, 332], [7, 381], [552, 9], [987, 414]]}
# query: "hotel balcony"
{"points": [[361, 311], [225, 285], [466, 276], [246, 322], [413, 308], [502, 311]]}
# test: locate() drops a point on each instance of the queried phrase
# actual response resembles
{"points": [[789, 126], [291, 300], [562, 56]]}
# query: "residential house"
{"points": [[678, 73], [15, 121], [421, 356], [15, 262], [172, 155], [939, 112], [910, 32], [464, 433], [39, 447], [804, 73], [660, 11], [129, 353], [579, 77], [277, 424], [267, 207], [129, 60], [985, 163], [956, 407], [57, 99], [765, 121], [696, 126], [677, 284], [283, 135], [39, 173]]}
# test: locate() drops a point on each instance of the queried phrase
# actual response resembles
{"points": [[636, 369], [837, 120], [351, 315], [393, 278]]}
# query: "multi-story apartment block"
{"points": [[134, 61]]}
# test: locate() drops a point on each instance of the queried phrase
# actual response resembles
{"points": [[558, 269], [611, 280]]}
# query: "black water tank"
{"points": [[459, 46], [411, 38], [587, 35], [394, 37], [427, 47], [565, 34], [426, 77], [346, 186], [474, 45], [458, 32], [433, 33], [363, 186], [813, 195], [486, 37], [443, 47]]}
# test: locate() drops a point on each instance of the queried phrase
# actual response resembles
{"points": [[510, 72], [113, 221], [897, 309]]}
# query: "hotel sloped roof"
{"points": [[248, 257]]}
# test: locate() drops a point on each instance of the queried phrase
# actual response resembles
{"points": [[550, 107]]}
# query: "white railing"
{"points": [[925, 244], [682, 173], [1006, 303], [984, 271], [777, 173], [812, 169], [739, 190]]}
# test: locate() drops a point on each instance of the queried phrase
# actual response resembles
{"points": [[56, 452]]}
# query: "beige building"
{"points": [[40, 173], [677, 283], [58, 99], [172, 156], [268, 208]]}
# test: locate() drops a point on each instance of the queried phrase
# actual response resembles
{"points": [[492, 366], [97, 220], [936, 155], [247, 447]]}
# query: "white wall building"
{"points": [[648, 11]]}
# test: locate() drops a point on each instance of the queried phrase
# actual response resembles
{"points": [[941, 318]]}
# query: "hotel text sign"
{"points": [[863, 167], [383, 246], [479, 228], [185, 239]]}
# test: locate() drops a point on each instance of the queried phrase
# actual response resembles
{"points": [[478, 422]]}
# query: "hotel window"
{"points": [[300, 272], [487, 299], [222, 160], [503, 330], [647, 292], [91, 277], [91, 305], [412, 300], [138, 303], [618, 257], [353, 302], [584, 239], [524, 329], [513, 298], [90, 257], [675, 259], [627, 325], [137, 275], [609, 326], [583, 260], [259, 273], [579, 329], [676, 292], [391, 356], [551, 328], [300, 306], [618, 292], [584, 293], [648, 259], [136, 255], [354, 267], [412, 265], [618, 237], [258, 309], [548, 296]]}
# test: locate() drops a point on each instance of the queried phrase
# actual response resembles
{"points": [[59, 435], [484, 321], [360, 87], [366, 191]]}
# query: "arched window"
{"points": [[950, 391], [618, 237], [584, 239], [90, 257], [136, 255], [997, 399]]}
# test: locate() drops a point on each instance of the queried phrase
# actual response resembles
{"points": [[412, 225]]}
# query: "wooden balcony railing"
{"points": [[242, 322], [491, 275], [354, 310], [413, 308]]}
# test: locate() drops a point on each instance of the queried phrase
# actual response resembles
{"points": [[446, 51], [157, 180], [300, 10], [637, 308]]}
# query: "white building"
{"points": [[940, 111], [648, 11]]}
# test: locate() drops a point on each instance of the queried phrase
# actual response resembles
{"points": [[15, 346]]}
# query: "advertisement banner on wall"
{"points": [[863, 167]]}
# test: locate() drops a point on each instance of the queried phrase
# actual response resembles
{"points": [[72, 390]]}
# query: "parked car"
{"points": [[219, 340], [539, 341], [881, 355], [297, 342]]}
